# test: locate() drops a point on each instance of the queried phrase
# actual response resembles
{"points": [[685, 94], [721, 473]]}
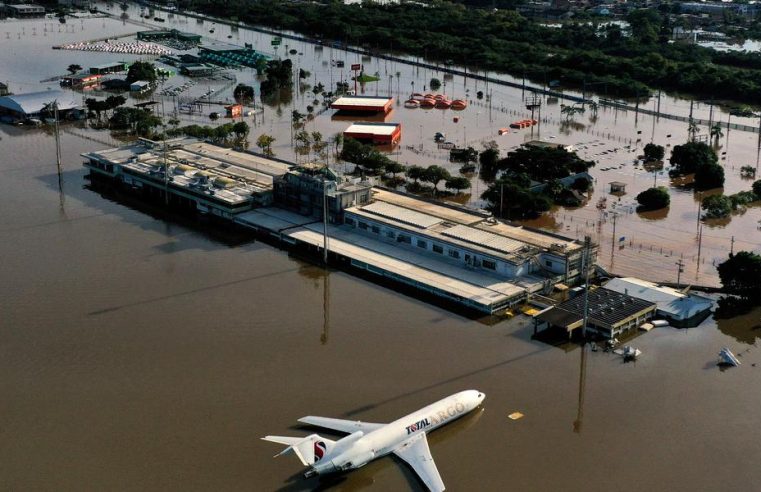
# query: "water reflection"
{"points": [[745, 328], [653, 215]]}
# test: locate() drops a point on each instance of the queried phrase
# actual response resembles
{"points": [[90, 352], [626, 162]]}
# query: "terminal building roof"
{"points": [[235, 176], [481, 220], [445, 231]]}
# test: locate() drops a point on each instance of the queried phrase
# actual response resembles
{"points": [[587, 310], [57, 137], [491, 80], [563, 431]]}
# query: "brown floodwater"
{"points": [[145, 351], [140, 350]]}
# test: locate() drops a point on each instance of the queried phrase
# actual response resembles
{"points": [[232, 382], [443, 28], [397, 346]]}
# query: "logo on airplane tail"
{"points": [[319, 450]]}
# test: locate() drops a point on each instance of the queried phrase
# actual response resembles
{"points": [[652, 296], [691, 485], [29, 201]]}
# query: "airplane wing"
{"points": [[347, 426], [416, 453]]}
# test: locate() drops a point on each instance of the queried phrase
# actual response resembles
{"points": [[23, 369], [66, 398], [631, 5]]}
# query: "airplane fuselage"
{"points": [[359, 448]]}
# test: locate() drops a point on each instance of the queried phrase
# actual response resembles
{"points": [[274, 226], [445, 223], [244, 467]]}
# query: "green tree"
{"points": [[741, 275], [395, 168], [140, 70], [488, 159], [241, 129], [716, 206], [709, 176], [654, 152], [415, 173], [543, 163], [654, 199], [74, 68], [435, 84], [757, 188], [243, 93], [457, 183], [265, 142], [435, 174]]}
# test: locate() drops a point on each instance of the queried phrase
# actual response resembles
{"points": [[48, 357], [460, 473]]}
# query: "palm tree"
{"points": [[716, 133], [692, 129], [265, 142]]}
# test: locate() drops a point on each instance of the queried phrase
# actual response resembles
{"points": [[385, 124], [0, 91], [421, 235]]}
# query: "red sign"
{"points": [[356, 66]]}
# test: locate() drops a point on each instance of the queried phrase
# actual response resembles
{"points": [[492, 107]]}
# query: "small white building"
{"points": [[139, 86], [682, 310]]}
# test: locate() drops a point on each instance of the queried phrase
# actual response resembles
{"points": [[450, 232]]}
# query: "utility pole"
{"points": [[325, 220], [732, 247], [700, 243], [679, 271], [501, 197], [166, 172], [586, 257], [613, 239]]}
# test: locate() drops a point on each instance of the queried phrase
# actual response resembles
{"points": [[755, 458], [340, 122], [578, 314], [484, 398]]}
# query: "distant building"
{"points": [[229, 55], [107, 68], [543, 144], [363, 104], [80, 4], [173, 34], [611, 314], [139, 86], [197, 69], [375, 133], [680, 309], [34, 104], [81, 80], [234, 110], [24, 11]]}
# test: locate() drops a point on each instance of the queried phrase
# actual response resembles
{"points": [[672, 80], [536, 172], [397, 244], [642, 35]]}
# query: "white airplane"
{"points": [[366, 441]]}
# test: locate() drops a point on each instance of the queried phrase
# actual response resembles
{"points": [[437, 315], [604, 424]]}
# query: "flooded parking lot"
{"points": [[142, 350]]}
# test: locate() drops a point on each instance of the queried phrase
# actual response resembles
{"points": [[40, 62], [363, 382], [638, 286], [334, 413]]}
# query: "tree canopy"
{"points": [[654, 152], [543, 163], [741, 275], [140, 70], [700, 159], [654, 199]]}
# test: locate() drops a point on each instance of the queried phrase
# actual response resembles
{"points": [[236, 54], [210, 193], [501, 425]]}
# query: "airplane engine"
{"points": [[359, 461]]}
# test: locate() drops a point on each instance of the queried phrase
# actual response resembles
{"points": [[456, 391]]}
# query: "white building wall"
{"points": [[435, 247]]}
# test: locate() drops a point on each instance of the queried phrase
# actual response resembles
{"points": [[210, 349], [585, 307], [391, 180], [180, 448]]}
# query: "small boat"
{"points": [[443, 104], [211, 30], [427, 103], [440, 97], [430, 96], [411, 104], [503, 131], [416, 95]]}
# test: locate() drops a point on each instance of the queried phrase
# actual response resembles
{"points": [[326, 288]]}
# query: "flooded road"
{"points": [[140, 351], [145, 351]]}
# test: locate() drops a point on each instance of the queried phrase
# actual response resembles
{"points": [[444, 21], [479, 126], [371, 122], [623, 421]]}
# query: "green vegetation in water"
{"points": [[364, 78], [653, 199], [700, 159], [741, 278], [582, 54], [511, 196]]}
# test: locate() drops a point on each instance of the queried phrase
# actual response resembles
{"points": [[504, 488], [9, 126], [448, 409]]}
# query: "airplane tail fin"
{"points": [[309, 450]]}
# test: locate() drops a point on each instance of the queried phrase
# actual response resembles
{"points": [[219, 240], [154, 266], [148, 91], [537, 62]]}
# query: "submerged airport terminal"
{"points": [[451, 252]]}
